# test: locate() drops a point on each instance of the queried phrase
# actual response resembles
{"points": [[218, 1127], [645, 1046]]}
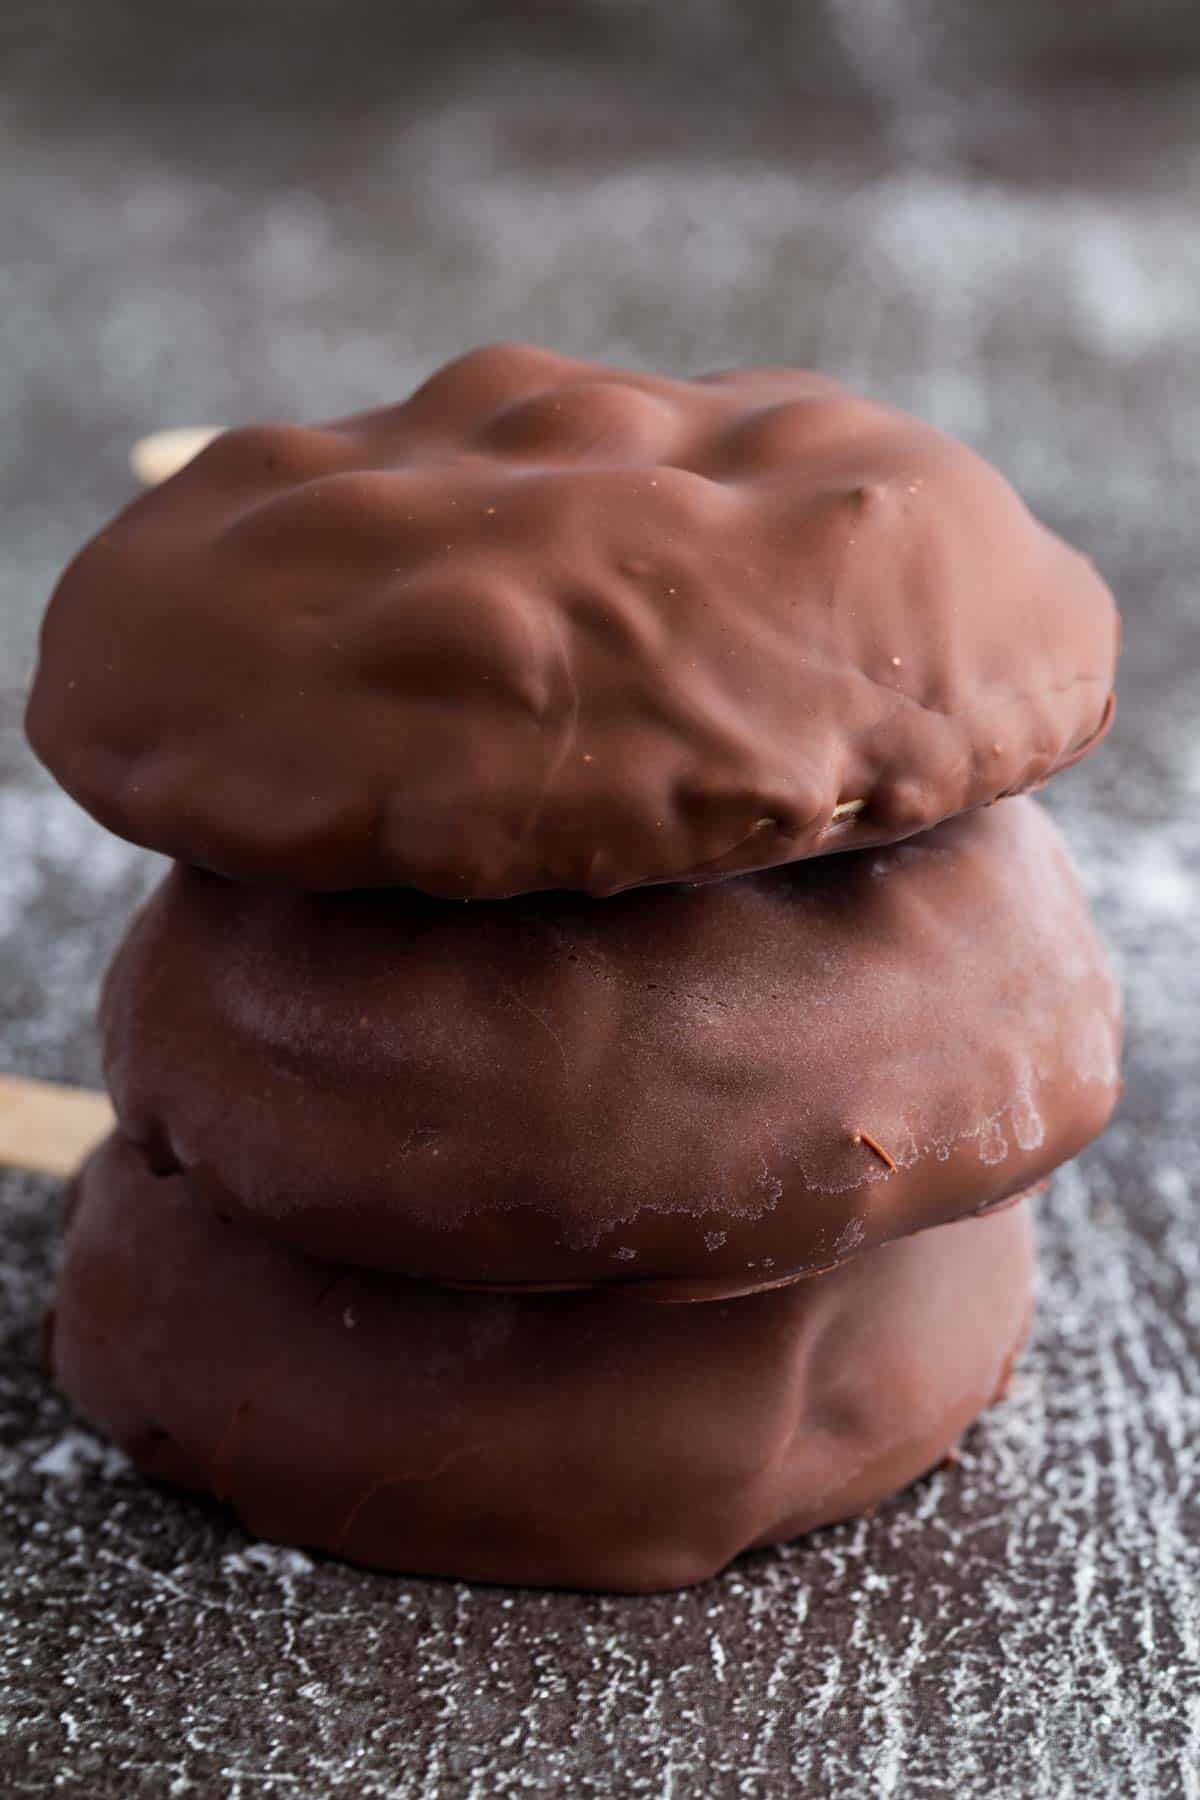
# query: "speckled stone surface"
{"points": [[207, 218]]}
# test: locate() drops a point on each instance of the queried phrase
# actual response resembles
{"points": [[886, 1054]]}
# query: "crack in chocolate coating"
{"points": [[551, 625], [575, 1441], [676, 1088]]}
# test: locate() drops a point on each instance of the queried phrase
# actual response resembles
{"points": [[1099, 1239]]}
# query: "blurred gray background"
{"points": [[985, 213]]}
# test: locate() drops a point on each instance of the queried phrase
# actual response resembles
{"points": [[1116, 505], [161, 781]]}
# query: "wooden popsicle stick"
{"points": [[49, 1128], [163, 453]]}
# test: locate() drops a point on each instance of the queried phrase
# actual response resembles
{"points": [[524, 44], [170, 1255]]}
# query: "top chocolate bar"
{"points": [[551, 625]]}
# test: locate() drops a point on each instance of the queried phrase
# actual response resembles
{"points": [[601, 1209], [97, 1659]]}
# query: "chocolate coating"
{"points": [[565, 1440], [662, 1088], [552, 625]]}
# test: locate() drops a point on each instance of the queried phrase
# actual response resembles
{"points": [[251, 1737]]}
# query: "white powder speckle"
{"points": [[271, 1559], [1027, 1124], [78, 1453], [850, 1237], [993, 1144]]}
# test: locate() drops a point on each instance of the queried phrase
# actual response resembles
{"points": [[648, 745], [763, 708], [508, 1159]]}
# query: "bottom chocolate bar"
{"points": [[582, 1440]]}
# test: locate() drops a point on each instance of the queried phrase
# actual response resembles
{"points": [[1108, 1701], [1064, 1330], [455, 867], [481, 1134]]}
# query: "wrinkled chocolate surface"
{"points": [[553, 625]]}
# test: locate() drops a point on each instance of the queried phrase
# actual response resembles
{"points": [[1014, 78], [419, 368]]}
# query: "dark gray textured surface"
{"points": [[204, 216]]}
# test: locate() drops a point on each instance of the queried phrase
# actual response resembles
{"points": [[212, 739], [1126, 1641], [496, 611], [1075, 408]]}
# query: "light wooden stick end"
{"points": [[49, 1128]]}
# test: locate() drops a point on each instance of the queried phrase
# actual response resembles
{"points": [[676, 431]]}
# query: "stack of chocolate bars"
{"points": [[581, 1083]]}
